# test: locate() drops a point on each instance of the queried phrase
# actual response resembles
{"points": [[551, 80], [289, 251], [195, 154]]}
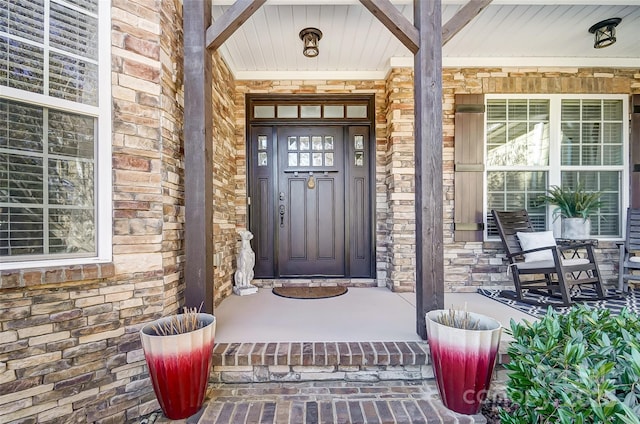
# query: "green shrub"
{"points": [[583, 367]]}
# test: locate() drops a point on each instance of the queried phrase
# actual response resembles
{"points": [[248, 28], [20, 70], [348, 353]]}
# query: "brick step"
{"points": [[328, 402], [306, 361], [317, 361]]}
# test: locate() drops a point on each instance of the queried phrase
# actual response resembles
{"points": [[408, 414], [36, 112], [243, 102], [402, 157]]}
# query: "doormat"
{"points": [[309, 292], [537, 308]]}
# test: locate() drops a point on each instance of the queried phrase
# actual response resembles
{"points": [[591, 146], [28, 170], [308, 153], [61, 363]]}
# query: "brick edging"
{"points": [[15, 278]]}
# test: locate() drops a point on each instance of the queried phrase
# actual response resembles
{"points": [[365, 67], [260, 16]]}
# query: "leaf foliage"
{"points": [[582, 367]]}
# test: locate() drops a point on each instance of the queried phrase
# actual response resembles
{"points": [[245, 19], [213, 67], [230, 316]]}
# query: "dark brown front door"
{"points": [[310, 198], [311, 201]]}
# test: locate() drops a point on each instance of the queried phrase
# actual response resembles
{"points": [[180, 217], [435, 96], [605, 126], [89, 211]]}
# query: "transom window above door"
{"points": [[308, 110]]}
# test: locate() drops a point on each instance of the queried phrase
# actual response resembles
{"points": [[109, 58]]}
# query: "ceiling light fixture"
{"points": [[605, 32], [310, 38]]}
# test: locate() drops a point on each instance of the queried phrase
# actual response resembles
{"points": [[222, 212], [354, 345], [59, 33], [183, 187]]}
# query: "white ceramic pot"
{"points": [[463, 360], [576, 228], [179, 365]]}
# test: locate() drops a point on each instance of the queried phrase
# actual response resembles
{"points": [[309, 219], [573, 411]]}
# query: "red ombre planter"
{"points": [[463, 360], [179, 366]]}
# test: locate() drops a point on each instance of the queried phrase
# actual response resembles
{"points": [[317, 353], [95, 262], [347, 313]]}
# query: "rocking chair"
{"points": [[548, 269], [630, 251]]}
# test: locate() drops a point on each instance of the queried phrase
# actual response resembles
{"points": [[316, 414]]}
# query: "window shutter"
{"points": [[634, 142], [469, 167]]}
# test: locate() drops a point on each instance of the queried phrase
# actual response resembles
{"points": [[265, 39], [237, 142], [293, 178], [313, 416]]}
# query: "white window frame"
{"points": [[102, 112], [554, 168]]}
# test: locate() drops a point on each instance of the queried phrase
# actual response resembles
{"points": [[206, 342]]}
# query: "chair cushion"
{"points": [[550, 264], [533, 240]]}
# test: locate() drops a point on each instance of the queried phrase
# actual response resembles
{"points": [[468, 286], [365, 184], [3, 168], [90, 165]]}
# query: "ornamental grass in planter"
{"points": [[582, 367], [178, 352], [463, 347]]}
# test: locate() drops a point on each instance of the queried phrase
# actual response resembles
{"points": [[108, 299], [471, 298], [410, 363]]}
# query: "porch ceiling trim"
{"points": [[453, 62]]}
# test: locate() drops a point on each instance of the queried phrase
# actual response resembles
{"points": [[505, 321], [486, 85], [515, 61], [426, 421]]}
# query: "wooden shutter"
{"points": [[469, 167], [634, 141]]}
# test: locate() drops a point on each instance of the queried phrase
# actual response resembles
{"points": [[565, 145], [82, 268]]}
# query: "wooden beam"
{"points": [[462, 18], [428, 157], [198, 192], [230, 21], [395, 21]]}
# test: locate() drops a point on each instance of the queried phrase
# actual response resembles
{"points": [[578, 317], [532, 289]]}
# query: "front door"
{"points": [[310, 183], [311, 204]]}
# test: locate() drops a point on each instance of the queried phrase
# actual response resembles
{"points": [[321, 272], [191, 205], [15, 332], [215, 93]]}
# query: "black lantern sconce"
{"points": [[310, 38], [605, 32]]}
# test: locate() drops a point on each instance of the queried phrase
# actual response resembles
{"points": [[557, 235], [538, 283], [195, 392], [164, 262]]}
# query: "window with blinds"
{"points": [[535, 143], [49, 111]]}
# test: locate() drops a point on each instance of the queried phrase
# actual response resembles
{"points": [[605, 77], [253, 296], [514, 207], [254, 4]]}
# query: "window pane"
{"points": [[539, 110], [71, 231], [71, 183], [21, 179], [612, 155], [71, 135], [570, 110], [605, 221], [73, 31], [497, 110], [519, 138], [23, 19], [310, 111], [21, 126], [287, 111], [22, 65], [21, 231], [334, 111], [512, 190], [591, 110], [612, 110], [517, 110], [591, 133], [356, 111], [73, 79], [264, 112]]}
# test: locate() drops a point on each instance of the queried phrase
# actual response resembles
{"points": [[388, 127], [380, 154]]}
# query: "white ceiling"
{"points": [[355, 45]]}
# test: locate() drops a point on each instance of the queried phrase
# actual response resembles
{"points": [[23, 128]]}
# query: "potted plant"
{"points": [[574, 206], [463, 347], [178, 352]]}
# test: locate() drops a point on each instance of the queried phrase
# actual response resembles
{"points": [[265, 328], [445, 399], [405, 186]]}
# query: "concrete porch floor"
{"points": [[362, 314]]}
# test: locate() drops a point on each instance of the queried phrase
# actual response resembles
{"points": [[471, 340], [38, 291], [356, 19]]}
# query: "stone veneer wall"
{"points": [[69, 344], [226, 167], [473, 264], [400, 180]]}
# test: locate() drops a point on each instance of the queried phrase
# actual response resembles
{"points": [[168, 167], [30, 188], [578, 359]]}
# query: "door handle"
{"points": [[281, 216]]}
